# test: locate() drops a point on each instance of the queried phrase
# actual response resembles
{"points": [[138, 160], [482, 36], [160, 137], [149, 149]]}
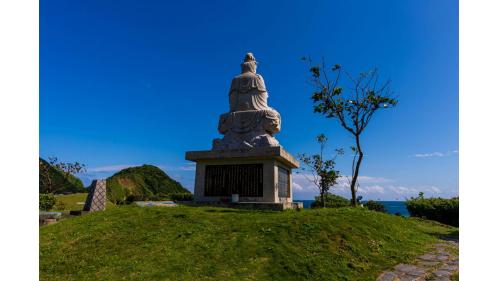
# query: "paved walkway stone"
{"points": [[437, 265], [387, 276]]}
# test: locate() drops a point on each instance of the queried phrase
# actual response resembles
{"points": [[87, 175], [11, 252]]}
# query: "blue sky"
{"points": [[124, 83]]}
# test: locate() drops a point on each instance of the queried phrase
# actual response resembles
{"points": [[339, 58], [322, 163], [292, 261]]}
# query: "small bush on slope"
{"points": [[375, 206], [331, 201], [181, 196], [46, 201]]}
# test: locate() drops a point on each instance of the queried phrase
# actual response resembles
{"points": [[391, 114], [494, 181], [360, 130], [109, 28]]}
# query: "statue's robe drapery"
{"points": [[250, 122], [248, 92]]}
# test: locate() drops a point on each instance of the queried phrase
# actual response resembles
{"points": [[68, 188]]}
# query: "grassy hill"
{"points": [[71, 184], [73, 202], [141, 183], [206, 243]]}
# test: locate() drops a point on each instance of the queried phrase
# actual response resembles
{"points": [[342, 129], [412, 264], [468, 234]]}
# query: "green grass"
{"points": [[70, 202], [205, 243]]}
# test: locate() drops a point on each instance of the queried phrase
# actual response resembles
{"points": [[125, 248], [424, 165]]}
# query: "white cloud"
{"points": [[189, 167], [378, 188], [413, 191], [435, 154], [433, 189], [184, 167], [367, 179], [297, 186], [344, 181], [371, 189], [304, 188], [109, 169], [432, 154], [403, 190], [301, 183], [116, 168]]}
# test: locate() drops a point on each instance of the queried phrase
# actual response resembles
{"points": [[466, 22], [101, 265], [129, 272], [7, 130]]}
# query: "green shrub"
{"points": [[375, 206], [132, 198], [60, 205], [46, 201], [155, 197], [331, 201], [183, 196], [438, 209]]}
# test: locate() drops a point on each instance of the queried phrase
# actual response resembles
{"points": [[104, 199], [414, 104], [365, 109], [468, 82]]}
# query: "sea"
{"points": [[392, 207]]}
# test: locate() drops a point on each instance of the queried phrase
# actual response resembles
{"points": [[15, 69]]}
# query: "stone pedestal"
{"points": [[248, 162], [258, 175], [96, 199]]}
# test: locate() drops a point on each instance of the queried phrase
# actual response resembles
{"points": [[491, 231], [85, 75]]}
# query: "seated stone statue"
{"points": [[248, 91], [250, 122]]}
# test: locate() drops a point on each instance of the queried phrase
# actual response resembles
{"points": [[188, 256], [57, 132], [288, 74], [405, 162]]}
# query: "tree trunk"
{"points": [[322, 194], [354, 180]]}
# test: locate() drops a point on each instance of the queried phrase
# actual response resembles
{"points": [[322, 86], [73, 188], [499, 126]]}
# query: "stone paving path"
{"points": [[437, 265]]}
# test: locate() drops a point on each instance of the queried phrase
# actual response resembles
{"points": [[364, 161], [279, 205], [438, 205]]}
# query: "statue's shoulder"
{"points": [[262, 84], [244, 78], [236, 79], [235, 83], [247, 81], [239, 77]]}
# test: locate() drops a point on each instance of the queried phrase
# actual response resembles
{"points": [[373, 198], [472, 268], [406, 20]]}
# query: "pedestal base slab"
{"points": [[257, 175]]}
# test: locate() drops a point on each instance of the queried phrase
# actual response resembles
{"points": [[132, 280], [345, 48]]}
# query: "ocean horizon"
{"points": [[392, 207]]}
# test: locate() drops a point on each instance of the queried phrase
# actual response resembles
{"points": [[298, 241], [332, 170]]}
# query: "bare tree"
{"points": [[353, 107], [322, 172]]}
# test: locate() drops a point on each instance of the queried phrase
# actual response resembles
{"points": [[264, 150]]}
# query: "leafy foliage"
{"points": [[46, 201], [353, 106], [331, 201], [181, 196], [322, 172], [58, 178], [438, 209], [375, 206], [61, 205], [145, 182]]}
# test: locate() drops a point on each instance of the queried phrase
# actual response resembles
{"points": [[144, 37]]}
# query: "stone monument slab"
{"points": [[96, 199]]}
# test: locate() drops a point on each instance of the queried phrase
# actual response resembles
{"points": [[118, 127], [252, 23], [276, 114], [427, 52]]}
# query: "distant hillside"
{"points": [[62, 185], [146, 182]]}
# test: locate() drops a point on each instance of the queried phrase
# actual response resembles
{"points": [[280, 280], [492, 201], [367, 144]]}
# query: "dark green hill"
{"points": [[146, 182], [60, 183]]}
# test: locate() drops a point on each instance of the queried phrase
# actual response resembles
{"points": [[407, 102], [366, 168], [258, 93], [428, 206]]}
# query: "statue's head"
{"points": [[249, 64]]}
